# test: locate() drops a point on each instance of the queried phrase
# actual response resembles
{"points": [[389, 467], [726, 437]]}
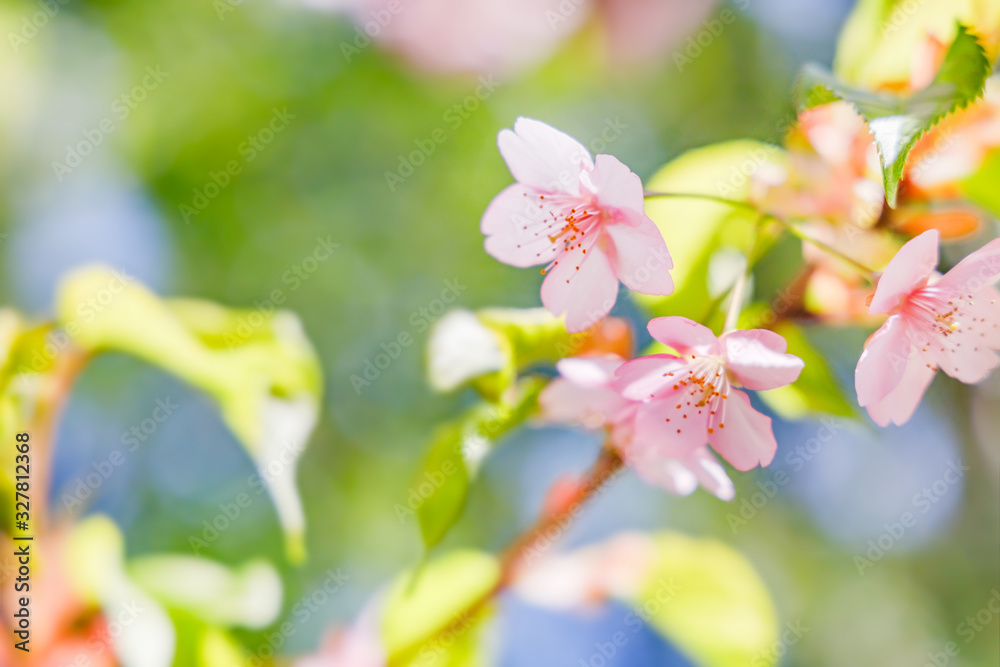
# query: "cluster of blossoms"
{"points": [[583, 220]]}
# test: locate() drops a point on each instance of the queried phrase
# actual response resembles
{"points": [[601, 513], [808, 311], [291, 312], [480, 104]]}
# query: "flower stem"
{"points": [[693, 195], [736, 296], [44, 424], [868, 273], [603, 470], [795, 231]]}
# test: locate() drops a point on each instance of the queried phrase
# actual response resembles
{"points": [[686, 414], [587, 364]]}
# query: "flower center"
{"points": [[569, 221], [942, 317], [702, 389]]}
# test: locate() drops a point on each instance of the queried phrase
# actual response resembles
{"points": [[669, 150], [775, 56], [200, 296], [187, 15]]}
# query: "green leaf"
{"points": [[488, 348], [707, 599], [445, 477], [816, 391], [898, 121], [260, 368], [695, 228], [219, 648], [879, 38], [247, 596], [94, 565], [422, 607], [439, 491]]}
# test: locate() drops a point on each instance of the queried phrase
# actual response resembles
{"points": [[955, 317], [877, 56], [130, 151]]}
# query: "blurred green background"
{"points": [[319, 177]]}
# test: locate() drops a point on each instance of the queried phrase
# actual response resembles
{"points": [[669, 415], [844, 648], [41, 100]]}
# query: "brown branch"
{"points": [[603, 470], [44, 423], [608, 464]]}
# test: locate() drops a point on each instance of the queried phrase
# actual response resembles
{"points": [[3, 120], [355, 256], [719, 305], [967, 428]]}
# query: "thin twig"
{"points": [[692, 195], [868, 273], [603, 470]]}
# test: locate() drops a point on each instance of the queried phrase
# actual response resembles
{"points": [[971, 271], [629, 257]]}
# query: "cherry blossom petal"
{"points": [[684, 335], [584, 289], [770, 339], [615, 185], [566, 402], [741, 435], [909, 269], [900, 403], [517, 231], [640, 257], [667, 473], [986, 309], [711, 475], [666, 434], [757, 366], [542, 157], [883, 362], [590, 372], [963, 356], [643, 378], [978, 269]]}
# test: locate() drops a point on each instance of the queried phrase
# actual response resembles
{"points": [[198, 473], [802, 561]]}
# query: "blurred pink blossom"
{"points": [[358, 645], [504, 37]]}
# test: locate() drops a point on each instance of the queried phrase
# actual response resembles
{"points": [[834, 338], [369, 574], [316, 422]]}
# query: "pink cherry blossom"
{"points": [[951, 322], [359, 645], [584, 219], [692, 398], [584, 396], [504, 38]]}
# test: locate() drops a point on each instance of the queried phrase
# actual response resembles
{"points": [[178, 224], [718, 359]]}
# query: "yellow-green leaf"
{"points": [[438, 493], [262, 371], [897, 121], [423, 605], [695, 228], [877, 44], [708, 600]]}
